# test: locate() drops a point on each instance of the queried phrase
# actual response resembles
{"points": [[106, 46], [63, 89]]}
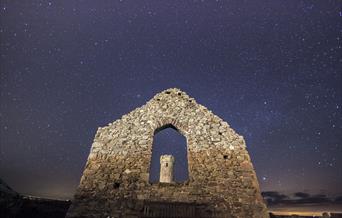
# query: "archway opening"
{"points": [[168, 141]]}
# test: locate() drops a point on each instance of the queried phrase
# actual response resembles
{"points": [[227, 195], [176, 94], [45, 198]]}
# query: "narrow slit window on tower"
{"points": [[116, 185], [168, 141]]}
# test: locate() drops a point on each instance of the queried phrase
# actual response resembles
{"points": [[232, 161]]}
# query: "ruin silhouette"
{"points": [[115, 181]]}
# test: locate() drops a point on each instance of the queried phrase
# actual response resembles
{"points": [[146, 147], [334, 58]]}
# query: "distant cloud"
{"points": [[301, 195], [313, 199], [338, 199], [273, 197]]}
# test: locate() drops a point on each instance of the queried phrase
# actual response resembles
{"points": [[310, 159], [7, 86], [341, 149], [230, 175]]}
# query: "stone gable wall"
{"points": [[115, 181]]}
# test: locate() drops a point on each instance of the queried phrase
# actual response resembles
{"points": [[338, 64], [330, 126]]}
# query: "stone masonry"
{"points": [[166, 168], [115, 181]]}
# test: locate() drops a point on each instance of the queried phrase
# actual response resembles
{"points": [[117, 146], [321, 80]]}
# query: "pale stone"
{"points": [[166, 168], [221, 176]]}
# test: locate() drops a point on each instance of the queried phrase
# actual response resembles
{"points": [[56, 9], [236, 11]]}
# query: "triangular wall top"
{"points": [[222, 181]]}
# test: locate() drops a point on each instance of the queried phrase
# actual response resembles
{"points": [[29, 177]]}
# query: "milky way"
{"points": [[271, 69]]}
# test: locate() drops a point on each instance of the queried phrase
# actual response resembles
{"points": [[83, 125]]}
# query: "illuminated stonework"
{"points": [[166, 168], [115, 181]]}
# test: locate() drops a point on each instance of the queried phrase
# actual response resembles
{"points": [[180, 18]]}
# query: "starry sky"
{"points": [[271, 69]]}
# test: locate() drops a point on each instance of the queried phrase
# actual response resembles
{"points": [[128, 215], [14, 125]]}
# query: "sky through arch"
{"points": [[169, 141]]}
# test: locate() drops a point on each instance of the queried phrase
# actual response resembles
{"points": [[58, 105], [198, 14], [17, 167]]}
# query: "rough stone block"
{"points": [[222, 182]]}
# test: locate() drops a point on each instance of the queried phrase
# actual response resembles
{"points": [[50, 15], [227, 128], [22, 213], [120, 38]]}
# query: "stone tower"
{"points": [[115, 182], [166, 168]]}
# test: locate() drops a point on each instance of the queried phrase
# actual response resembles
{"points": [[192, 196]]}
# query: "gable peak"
{"points": [[172, 93]]}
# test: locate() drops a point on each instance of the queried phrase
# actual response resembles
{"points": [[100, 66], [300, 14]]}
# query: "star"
{"points": [[83, 66]]}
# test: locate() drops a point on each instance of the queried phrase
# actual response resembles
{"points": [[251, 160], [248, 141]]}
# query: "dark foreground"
{"points": [[332, 215], [25, 207], [43, 208], [14, 205]]}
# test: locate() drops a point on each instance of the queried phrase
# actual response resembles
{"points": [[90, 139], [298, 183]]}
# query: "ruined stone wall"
{"points": [[115, 181]]}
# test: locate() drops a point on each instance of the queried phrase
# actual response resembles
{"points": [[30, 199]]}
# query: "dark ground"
{"points": [[32, 207], [15, 205]]}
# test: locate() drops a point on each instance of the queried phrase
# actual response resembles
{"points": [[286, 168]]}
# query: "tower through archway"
{"points": [[168, 141], [126, 155]]}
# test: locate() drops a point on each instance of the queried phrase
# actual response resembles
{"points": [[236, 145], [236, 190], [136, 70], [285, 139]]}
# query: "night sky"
{"points": [[271, 69]]}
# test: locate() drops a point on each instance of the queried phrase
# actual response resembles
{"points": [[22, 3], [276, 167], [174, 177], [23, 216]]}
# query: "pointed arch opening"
{"points": [[167, 140]]}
